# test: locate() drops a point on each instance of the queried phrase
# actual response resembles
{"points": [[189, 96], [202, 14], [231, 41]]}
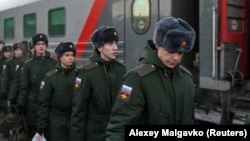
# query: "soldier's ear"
{"points": [[100, 49]]}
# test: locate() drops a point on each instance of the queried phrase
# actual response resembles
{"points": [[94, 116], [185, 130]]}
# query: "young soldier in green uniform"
{"points": [[96, 87], [6, 54], [56, 95], [158, 90], [11, 73], [32, 73]]}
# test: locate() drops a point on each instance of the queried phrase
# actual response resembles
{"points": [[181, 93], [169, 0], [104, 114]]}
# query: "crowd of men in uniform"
{"points": [[40, 88], [11, 61], [94, 103]]}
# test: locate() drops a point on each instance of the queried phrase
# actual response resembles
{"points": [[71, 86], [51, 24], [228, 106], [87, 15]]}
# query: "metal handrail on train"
{"points": [[213, 56], [235, 70]]}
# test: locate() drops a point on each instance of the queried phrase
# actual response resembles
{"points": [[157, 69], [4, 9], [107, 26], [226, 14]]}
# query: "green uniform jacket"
{"points": [[151, 93], [96, 88], [2, 67], [56, 94], [32, 73], [11, 76]]}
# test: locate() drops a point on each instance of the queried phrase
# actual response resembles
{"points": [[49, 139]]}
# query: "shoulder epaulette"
{"points": [[186, 70], [90, 65], [9, 59], [28, 60], [118, 62], [24, 59], [145, 69], [52, 72]]}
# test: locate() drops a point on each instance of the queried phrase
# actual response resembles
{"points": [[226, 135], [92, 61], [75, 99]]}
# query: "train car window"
{"points": [[29, 25], [140, 16], [9, 31], [57, 22]]}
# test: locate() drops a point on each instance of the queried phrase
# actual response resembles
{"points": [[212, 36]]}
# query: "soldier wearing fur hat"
{"points": [[5, 55], [7, 52], [32, 73], [158, 90], [11, 73], [10, 80], [96, 87], [56, 94]]}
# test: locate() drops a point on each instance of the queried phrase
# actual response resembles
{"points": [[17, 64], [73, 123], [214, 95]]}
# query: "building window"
{"points": [[140, 16], [57, 22], [29, 25], [9, 31]]}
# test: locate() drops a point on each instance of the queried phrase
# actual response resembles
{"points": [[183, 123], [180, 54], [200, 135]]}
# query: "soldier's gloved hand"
{"points": [[21, 110]]}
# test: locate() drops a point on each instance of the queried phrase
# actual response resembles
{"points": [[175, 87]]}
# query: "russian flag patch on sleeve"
{"points": [[42, 85], [125, 92], [78, 82]]}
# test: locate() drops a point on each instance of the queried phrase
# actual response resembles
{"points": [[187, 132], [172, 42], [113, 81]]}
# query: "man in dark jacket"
{"points": [[56, 95], [10, 83], [158, 90], [6, 54], [11, 73], [96, 87], [32, 73]]}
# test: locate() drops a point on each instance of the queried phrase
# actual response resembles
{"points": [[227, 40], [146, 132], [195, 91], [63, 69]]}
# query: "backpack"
{"points": [[8, 123]]}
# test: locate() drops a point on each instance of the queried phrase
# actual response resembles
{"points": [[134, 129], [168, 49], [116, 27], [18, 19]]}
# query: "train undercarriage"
{"points": [[223, 108]]}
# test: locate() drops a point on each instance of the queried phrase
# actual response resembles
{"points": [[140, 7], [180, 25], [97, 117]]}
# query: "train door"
{"points": [[233, 37], [223, 56], [140, 17], [223, 44]]}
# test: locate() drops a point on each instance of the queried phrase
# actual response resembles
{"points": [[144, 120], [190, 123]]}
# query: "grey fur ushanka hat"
{"points": [[17, 45], [102, 35], [7, 48], [63, 47], [39, 37], [174, 34]]}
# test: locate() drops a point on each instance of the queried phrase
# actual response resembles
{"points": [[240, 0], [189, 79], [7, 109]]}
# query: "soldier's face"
{"points": [[18, 52], [7, 54], [108, 51], [40, 47], [67, 59], [169, 58]]}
